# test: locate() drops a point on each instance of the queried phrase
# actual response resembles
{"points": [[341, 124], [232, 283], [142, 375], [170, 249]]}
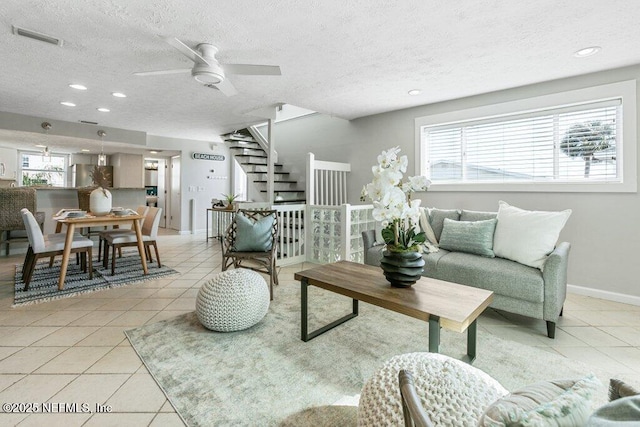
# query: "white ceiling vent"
{"points": [[36, 35]]}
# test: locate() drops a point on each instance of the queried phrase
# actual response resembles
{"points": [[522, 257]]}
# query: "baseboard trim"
{"points": [[198, 231], [599, 293]]}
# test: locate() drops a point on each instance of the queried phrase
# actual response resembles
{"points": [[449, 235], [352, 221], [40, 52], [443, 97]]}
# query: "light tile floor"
{"points": [[74, 350]]}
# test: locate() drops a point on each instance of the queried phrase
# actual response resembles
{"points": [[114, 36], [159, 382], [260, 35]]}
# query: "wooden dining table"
{"points": [[97, 221]]}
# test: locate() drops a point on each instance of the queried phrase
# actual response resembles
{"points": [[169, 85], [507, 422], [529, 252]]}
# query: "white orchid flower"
{"points": [[419, 183], [386, 158], [403, 163], [389, 194]]}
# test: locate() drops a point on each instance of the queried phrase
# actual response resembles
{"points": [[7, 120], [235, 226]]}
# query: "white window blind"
{"points": [[578, 143]]}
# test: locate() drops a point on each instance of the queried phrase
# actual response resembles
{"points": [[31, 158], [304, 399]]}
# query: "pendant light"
{"points": [[102, 158], [46, 155]]}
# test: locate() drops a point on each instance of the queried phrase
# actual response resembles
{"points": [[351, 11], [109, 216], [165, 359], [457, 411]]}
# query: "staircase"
{"points": [[253, 160]]}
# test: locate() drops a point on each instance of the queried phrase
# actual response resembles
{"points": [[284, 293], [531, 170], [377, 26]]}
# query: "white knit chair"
{"points": [[233, 300], [452, 392]]}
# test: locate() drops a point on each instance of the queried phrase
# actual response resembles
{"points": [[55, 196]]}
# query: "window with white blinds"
{"points": [[569, 144]]}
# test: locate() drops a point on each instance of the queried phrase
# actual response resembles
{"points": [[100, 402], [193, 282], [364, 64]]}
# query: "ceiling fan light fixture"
{"points": [[207, 74]]}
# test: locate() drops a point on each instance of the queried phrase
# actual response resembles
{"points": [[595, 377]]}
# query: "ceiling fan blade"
{"points": [[252, 70], [186, 50], [161, 72], [226, 87]]}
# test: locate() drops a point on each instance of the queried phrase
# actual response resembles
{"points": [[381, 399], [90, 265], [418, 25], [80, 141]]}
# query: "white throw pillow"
{"points": [[527, 237]]}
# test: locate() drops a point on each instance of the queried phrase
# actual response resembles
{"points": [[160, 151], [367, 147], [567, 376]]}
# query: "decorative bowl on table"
{"points": [[119, 211], [76, 214]]}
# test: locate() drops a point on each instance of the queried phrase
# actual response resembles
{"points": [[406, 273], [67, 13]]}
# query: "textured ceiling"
{"points": [[344, 58]]}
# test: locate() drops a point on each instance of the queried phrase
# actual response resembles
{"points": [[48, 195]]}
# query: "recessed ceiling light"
{"points": [[103, 110], [587, 51], [77, 86], [414, 92], [153, 152], [119, 95], [86, 150], [40, 146], [67, 103]]}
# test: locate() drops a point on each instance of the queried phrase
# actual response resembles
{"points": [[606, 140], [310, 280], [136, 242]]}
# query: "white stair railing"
{"points": [[326, 181], [291, 236]]}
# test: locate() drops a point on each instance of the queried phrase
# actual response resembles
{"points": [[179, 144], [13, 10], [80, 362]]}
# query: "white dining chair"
{"points": [[51, 245], [140, 210], [129, 238]]}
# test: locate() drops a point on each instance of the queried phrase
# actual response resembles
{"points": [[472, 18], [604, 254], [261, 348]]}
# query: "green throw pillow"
{"points": [[549, 403], [437, 217], [253, 236], [474, 237]]}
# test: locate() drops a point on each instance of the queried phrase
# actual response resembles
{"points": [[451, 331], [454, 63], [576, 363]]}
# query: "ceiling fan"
{"points": [[208, 71]]}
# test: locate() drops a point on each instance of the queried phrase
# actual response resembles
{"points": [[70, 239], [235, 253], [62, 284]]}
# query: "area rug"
{"points": [[267, 376], [44, 283]]}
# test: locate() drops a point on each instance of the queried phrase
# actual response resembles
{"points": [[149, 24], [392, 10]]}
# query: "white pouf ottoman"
{"points": [[233, 300], [452, 392]]}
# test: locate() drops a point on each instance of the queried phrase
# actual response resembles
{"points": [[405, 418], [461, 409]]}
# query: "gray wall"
{"points": [[604, 229]]}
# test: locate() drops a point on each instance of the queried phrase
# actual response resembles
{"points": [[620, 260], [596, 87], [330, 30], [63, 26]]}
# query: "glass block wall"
{"points": [[361, 220], [336, 232]]}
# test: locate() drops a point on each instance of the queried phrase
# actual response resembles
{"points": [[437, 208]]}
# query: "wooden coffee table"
{"points": [[443, 304]]}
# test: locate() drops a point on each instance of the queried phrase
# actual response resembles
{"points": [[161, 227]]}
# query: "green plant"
{"points": [[230, 198], [39, 178]]}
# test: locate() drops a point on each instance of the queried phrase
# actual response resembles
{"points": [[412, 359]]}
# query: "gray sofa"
{"points": [[517, 288]]}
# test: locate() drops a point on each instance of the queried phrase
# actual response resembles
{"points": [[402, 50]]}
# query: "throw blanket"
{"points": [[431, 244]]}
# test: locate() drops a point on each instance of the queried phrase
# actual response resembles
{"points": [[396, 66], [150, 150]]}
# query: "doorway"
{"points": [[175, 198], [155, 184]]}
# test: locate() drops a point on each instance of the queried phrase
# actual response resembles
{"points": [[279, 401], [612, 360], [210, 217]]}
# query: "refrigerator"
{"points": [[81, 175]]}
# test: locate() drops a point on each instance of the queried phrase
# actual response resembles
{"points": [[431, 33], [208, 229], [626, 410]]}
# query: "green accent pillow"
{"points": [[437, 217], [253, 236], [549, 403], [477, 215], [474, 237]]}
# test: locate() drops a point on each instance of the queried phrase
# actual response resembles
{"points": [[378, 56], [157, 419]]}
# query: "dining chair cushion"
{"points": [[125, 237], [58, 245], [253, 236], [62, 236]]}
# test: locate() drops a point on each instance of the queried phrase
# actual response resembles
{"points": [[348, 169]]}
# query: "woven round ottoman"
{"points": [[452, 392], [233, 300]]}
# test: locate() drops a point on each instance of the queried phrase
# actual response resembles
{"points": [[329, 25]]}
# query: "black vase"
{"points": [[402, 269]]}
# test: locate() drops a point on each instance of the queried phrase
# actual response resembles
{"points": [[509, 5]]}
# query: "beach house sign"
{"points": [[205, 156]]}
